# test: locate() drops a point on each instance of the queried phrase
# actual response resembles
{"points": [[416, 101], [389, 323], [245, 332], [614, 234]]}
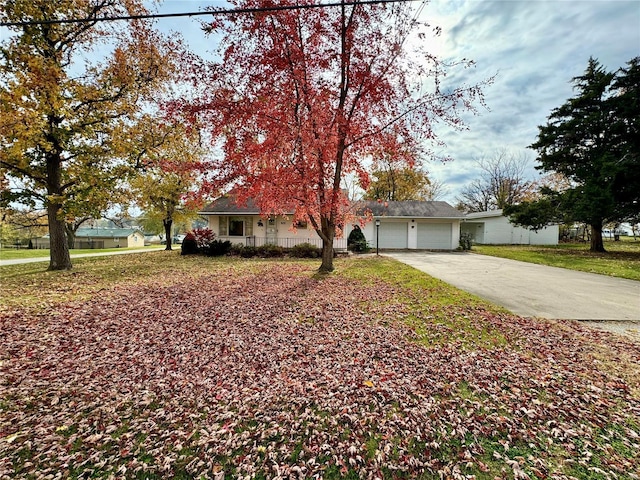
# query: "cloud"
{"points": [[536, 48]]}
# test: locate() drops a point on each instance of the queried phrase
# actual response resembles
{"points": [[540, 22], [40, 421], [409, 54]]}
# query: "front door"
{"points": [[272, 231]]}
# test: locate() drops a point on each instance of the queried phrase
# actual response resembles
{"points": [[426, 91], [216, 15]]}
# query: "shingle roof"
{"points": [[105, 232], [227, 204], [408, 209], [411, 208]]}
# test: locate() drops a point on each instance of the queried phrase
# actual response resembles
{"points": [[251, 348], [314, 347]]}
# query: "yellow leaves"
{"points": [[368, 383], [12, 438]]}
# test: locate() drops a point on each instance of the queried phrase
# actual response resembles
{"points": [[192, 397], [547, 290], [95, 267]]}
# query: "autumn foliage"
{"points": [[265, 370], [302, 98], [65, 111]]}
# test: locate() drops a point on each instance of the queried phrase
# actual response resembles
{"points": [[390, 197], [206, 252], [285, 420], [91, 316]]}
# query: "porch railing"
{"points": [[253, 241]]}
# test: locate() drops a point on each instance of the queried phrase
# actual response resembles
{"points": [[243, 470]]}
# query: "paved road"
{"points": [[533, 290], [18, 261]]}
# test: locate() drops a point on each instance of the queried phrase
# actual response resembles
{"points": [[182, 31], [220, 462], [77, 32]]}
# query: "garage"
{"points": [[411, 224], [393, 235], [434, 236]]}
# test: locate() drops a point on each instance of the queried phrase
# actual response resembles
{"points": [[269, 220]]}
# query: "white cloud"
{"points": [[536, 48]]}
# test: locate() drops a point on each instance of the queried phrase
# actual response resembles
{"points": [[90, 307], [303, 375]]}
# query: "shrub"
{"points": [[465, 241], [218, 248], [247, 251], [270, 251], [305, 250], [189, 245], [356, 242], [236, 249], [204, 237]]}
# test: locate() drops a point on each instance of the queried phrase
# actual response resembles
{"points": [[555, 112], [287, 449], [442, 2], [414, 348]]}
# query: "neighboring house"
{"points": [[493, 228], [109, 238], [413, 225], [403, 225], [103, 238]]}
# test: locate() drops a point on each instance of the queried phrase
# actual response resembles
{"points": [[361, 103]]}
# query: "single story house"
{"points": [[493, 228], [102, 238], [244, 225], [402, 225], [109, 238]]}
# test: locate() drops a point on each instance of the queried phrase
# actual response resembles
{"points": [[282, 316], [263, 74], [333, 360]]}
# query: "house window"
{"points": [[222, 226], [236, 227], [301, 225]]}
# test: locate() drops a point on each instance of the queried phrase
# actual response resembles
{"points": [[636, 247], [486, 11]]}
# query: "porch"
{"points": [[254, 241]]}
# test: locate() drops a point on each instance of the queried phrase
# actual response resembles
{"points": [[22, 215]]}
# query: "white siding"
{"points": [[214, 224], [547, 236], [497, 230], [475, 229]]}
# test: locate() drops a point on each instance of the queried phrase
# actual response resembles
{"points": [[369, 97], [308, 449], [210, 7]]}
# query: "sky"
{"points": [[534, 48]]}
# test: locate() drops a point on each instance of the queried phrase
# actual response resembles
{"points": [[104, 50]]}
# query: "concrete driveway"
{"points": [[531, 290]]}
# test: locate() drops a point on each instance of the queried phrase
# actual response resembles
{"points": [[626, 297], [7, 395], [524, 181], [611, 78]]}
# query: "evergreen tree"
{"points": [[593, 141]]}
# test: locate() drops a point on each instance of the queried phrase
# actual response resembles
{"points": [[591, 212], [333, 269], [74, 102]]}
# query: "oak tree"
{"points": [[399, 185], [502, 182], [60, 112], [303, 97]]}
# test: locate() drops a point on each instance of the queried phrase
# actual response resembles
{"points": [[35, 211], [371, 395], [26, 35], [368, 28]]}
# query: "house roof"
{"points": [[487, 214], [227, 204], [410, 209], [407, 209], [106, 232]]}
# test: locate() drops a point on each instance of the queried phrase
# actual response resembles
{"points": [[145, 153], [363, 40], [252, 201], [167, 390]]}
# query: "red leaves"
{"points": [[260, 368], [303, 99]]}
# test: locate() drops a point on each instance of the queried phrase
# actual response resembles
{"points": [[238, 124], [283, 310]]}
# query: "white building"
{"points": [[401, 225], [412, 225], [493, 228]]}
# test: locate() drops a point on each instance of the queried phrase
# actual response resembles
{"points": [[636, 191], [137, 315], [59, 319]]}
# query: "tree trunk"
{"points": [[328, 234], [59, 258], [71, 236], [167, 232], [327, 257], [597, 245]]}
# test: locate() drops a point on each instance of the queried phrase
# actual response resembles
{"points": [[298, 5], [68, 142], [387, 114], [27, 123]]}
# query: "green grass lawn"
{"points": [[159, 365], [12, 253], [622, 259]]}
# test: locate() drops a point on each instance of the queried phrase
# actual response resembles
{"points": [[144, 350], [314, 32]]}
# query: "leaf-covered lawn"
{"points": [[262, 369]]}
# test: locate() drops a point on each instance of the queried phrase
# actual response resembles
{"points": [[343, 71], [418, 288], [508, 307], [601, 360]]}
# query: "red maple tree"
{"points": [[304, 97]]}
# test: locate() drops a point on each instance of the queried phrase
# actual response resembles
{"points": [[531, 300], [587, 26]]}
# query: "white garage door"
{"points": [[393, 235], [434, 236]]}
